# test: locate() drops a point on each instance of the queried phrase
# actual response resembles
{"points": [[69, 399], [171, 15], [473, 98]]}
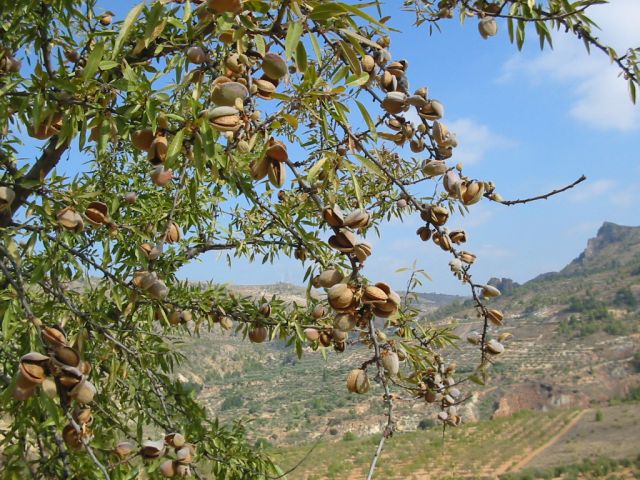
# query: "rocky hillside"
{"points": [[575, 342], [576, 331]]}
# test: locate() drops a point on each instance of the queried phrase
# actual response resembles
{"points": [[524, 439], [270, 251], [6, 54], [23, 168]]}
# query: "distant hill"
{"points": [[291, 292], [576, 331], [575, 342]]}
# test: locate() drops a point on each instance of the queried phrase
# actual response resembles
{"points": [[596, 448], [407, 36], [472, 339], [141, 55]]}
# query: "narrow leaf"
{"points": [[125, 30], [293, 37], [174, 148], [356, 187], [93, 61]]}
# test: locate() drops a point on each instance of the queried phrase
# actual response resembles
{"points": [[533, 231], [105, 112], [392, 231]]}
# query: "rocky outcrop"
{"points": [[608, 234], [505, 285], [537, 396]]}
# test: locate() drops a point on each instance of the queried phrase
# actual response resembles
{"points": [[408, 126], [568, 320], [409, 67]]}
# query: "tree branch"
{"points": [[38, 172], [540, 197]]}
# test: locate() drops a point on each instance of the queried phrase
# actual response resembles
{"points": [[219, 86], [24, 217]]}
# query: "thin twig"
{"points": [[540, 197]]}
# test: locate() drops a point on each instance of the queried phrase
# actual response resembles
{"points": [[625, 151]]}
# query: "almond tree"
{"points": [[181, 120]]}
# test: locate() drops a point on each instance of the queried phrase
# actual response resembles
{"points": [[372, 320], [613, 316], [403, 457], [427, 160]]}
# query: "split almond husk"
{"points": [[357, 219], [433, 168], [173, 233], [333, 216], [72, 437], [319, 311], [395, 103], [276, 174], [362, 251], [458, 236], [357, 381], [373, 294], [343, 241], [466, 257], [472, 192], [69, 219], [67, 356], [264, 89], [124, 449], [97, 213], [495, 316], [433, 110], [175, 440], [152, 449]]}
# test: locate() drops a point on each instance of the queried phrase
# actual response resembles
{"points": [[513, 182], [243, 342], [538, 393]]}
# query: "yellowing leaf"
{"points": [[313, 171]]}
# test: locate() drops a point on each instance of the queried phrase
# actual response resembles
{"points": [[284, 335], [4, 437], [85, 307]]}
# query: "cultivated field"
{"points": [[478, 450]]}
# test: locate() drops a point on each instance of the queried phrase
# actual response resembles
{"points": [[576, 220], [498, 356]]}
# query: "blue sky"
{"points": [[530, 121]]}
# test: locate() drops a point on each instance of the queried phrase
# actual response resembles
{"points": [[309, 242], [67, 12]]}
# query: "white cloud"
{"points": [[601, 98], [626, 198], [475, 140], [593, 189]]}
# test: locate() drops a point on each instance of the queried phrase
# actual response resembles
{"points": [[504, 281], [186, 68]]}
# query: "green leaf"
{"points": [[355, 10], [371, 166], [93, 61], [301, 58], [294, 31], [327, 11], [316, 46], [108, 64], [369, 121], [356, 187], [291, 120], [125, 30], [425, 275], [360, 38], [260, 45], [351, 57], [632, 90], [356, 81], [174, 148], [313, 171], [477, 380]]}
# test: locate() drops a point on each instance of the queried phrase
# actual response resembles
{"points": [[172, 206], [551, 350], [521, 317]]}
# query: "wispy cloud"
{"points": [[592, 189], [626, 198], [600, 96], [476, 140]]}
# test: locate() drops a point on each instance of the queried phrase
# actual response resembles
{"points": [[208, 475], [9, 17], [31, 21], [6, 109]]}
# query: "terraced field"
{"points": [[483, 449]]}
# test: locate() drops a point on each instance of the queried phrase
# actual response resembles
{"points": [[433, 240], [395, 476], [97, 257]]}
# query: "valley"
{"points": [[574, 349]]}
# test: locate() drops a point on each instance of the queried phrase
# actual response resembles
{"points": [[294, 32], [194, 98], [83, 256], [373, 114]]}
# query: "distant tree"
{"points": [[261, 129], [625, 298]]}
